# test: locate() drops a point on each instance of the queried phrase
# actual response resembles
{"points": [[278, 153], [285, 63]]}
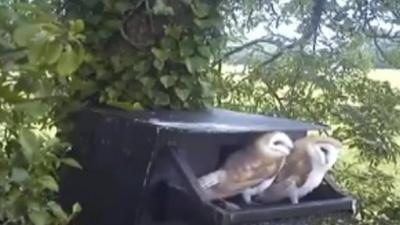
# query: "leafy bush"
{"points": [[37, 54], [374, 187]]}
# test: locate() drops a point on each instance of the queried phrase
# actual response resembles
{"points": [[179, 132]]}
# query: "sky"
{"points": [[290, 29]]}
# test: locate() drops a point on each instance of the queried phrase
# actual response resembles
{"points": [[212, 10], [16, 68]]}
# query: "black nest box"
{"points": [[140, 168]]}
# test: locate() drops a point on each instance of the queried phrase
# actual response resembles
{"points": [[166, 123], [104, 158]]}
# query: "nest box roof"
{"points": [[213, 121]]}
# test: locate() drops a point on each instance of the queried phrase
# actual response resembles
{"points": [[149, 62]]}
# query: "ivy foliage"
{"points": [[57, 56], [149, 54]]}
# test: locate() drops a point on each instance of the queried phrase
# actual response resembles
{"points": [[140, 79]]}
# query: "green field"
{"points": [[390, 75]]}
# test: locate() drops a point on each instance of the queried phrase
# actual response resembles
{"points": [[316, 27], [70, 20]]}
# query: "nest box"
{"points": [[140, 168]]}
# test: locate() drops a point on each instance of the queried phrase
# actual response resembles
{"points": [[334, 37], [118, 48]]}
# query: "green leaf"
{"points": [[76, 26], [216, 43], [187, 47], [161, 98], [19, 175], [81, 53], [196, 63], [9, 95], [160, 8], [142, 66], [57, 210], [76, 208], [48, 182], [29, 7], [53, 51], [159, 54], [169, 45], [112, 92], [39, 217], [3, 118], [174, 31], [122, 105], [41, 12], [68, 62], [147, 82], [36, 51], [207, 92], [168, 80], [29, 143], [114, 24], [33, 205], [71, 162], [159, 65], [200, 8], [34, 109], [24, 34], [204, 51], [188, 81], [182, 94], [51, 30]]}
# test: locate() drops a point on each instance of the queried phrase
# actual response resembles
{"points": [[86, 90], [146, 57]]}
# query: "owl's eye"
{"points": [[278, 143], [324, 150]]}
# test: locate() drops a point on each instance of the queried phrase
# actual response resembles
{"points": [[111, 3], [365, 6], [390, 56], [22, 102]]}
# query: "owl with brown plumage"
{"points": [[249, 171], [304, 169]]}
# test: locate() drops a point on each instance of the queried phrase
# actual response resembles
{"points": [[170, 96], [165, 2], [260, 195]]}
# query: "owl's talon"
{"points": [[231, 206]]}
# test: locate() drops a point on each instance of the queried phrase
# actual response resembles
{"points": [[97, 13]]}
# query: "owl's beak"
{"points": [[289, 145], [284, 149]]}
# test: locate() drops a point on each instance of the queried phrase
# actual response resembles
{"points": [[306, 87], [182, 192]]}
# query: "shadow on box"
{"points": [[141, 168]]}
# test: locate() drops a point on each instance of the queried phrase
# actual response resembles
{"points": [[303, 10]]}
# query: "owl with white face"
{"points": [[304, 169], [248, 171]]}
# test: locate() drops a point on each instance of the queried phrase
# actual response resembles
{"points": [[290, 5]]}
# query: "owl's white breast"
{"points": [[313, 181]]}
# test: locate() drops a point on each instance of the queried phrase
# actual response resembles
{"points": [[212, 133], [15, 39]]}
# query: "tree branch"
{"points": [[319, 6], [381, 52], [276, 96], [244, 46]]}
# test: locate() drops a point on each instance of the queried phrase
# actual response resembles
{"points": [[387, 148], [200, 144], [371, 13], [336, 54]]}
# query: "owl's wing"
{"points": [[238, 165], [212, 179], [244, 170], [296, 169], [217, 177]]}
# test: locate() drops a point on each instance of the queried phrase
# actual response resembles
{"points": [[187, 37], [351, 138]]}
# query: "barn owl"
{"points": [[304, 169], [248, 171]]}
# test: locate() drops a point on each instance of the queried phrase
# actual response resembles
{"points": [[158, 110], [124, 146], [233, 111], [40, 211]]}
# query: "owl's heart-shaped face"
{"points": [[325, 151], [276, 144]]}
